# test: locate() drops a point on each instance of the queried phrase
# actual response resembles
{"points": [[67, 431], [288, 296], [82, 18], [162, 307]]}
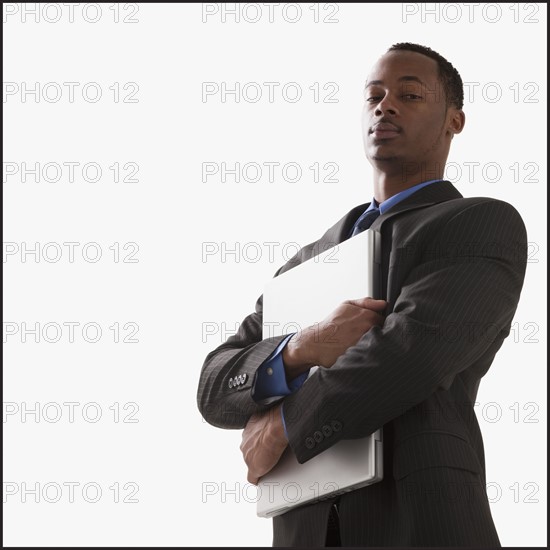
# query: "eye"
{"points": [[412, 96], [372, 99]]}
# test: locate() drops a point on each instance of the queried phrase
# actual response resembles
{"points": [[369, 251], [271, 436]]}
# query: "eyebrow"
{"points": [[400, 79]]}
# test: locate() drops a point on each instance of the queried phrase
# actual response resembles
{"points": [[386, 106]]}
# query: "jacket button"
{"points": [[318, 436], [336, 425], [245, 377], [327, 430], [310, 443], [230, 382]]}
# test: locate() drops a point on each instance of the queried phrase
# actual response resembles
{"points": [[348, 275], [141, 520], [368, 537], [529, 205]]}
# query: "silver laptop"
{"points": [[294, 300]]}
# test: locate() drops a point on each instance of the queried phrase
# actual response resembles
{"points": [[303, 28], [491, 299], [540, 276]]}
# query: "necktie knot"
{"points": [[365, 220]]}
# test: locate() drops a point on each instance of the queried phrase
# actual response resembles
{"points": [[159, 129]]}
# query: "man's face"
{"points": [[405, 119]]}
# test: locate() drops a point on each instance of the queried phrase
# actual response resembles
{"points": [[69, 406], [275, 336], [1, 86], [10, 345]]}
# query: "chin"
{"points": [[380, 157]]}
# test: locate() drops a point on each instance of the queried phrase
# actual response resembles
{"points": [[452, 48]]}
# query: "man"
{"points": [[453, 270]]}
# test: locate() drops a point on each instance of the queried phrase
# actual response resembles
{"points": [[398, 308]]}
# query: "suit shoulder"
{"points": [[497, 209]]}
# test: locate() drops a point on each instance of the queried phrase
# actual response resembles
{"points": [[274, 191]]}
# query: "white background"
{"points": [[190, 477]]}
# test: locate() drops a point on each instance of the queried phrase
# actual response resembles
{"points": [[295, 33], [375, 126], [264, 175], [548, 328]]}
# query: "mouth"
{"points": [[384, 130]]}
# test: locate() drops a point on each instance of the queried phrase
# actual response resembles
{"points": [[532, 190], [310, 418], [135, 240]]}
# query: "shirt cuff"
{"points": [[271, 378]]}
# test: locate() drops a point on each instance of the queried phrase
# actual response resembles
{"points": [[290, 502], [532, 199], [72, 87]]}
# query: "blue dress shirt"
{"points": [[271, 378]]}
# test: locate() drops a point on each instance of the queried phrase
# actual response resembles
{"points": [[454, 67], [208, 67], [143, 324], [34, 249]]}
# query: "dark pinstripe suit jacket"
{"points": [[453, 270]]}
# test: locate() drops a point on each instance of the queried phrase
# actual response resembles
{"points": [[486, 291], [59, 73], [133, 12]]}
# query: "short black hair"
{"points": [[448, 75]]}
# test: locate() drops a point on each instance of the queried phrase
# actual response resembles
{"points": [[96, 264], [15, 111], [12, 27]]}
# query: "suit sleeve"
{"points": [[460, 297], [229, 372]]}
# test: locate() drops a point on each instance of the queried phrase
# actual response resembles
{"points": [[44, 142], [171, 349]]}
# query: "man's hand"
{"points": [[263, 443], [264, 440], [321, 344]]}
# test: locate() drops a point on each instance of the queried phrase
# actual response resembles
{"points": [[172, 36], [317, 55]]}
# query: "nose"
{"points": [[386, 106]]}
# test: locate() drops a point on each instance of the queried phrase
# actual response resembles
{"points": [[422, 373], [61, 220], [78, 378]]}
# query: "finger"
{"points": [[251, 479], [367, 320], [373, 318], [368, 303]]}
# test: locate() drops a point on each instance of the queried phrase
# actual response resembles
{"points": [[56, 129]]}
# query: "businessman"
{"points": [[452, 271]]}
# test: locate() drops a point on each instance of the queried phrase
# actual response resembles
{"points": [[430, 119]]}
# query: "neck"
{"points": [[387, 184]]}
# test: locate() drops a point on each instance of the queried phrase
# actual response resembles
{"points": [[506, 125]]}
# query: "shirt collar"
{"points": [[384, 206]]}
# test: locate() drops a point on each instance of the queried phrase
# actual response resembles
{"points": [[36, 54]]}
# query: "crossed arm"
{"points": [[263, 440], [391, 367]]}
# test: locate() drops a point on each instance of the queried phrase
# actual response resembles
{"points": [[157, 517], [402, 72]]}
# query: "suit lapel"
{"points": [[426, 196]]}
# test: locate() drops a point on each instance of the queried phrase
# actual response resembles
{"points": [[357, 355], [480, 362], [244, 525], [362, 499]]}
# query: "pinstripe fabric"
{"points": [[454, 269]]}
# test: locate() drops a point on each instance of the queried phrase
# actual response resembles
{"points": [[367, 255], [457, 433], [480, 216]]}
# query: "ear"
{"points": [[457, 119]]}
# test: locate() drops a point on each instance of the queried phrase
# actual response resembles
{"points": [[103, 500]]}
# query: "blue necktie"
{"points": [[365, 220]]}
